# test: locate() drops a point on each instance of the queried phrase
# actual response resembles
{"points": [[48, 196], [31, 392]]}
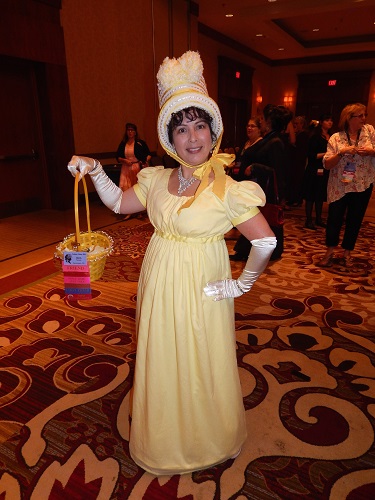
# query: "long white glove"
{"points": [[260, 254], [109, 193]]}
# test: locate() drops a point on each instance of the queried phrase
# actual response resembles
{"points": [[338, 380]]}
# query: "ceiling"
{"points": [[346, 28]]}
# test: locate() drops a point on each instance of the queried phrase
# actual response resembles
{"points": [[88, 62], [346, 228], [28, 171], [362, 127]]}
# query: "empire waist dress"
{"points": [[187, 408]]}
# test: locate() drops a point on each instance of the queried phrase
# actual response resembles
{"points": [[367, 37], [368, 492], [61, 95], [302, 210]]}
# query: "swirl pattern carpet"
{"points": [[305, 339]]}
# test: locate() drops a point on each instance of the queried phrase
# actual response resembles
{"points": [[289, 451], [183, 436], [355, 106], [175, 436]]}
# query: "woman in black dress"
{"points": [[246, 155], [269, 152], [316, 177]]}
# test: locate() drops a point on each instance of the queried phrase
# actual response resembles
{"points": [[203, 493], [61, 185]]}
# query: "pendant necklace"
{"points": [[184, 183]]}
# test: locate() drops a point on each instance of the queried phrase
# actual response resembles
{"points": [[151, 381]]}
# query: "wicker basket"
{"points": [[97, 242]]}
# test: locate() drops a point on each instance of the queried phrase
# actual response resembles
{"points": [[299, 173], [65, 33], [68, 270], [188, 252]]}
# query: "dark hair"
{"points": [[325, 116], [277, 116], [191, 113], [127, 126], [318, 129]]}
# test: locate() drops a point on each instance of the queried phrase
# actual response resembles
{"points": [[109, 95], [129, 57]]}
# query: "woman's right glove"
{"points": [[109, 193]]}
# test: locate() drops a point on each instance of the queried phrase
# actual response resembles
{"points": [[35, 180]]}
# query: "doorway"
{"points": [[23, 187], [235, 94], [331, 92]]}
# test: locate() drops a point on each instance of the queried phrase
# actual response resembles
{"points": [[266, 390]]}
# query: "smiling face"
{"points": [[252, 130], [192, 140]]}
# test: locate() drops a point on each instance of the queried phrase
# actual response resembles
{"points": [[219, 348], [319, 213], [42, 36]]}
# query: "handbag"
{"points": [[273, 212]]}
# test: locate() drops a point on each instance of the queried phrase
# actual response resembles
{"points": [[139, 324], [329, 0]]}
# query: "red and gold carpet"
{"points": [[306, 347]]}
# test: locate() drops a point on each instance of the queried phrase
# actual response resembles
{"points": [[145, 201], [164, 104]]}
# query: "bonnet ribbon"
{"points": [[216, 163]]}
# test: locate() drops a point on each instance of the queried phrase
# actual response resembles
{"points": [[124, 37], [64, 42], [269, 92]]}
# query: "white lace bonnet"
{"points": [[181, 85]]}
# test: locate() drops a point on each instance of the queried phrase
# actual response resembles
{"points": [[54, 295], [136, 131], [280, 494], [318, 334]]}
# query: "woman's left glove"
{"points": [[110, 194], [260, 253]]}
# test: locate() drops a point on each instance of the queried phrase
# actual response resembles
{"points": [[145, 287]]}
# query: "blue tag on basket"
{"points": [[76, 276]]}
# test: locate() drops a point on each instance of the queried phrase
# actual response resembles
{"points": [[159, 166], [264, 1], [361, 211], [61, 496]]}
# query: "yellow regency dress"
{"points": [[187, 410]]}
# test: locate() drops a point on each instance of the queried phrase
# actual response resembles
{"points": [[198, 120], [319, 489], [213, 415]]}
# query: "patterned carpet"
{"points": [[305, 341]]}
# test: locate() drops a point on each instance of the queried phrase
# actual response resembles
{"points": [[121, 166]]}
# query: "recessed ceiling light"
{"points": [[316, 29], [281, 48], [259, 34], [272, 1], [228, 15]]}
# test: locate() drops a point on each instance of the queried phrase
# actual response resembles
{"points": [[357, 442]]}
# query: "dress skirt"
{"points": [[128, 176], [188, 411]]}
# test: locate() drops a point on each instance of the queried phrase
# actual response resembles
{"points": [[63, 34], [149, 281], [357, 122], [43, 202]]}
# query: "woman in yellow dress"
{"points": [[187, 411]]}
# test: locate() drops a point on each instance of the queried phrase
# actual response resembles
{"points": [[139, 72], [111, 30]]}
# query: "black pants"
{"points": [[354, 205]]}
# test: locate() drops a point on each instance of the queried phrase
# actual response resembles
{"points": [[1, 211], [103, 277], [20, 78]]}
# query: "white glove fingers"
{"points": [[222, 289], [73, 166], [210, 291]]}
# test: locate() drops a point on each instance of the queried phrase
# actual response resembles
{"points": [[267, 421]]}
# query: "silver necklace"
{"points": [[184, 183]]}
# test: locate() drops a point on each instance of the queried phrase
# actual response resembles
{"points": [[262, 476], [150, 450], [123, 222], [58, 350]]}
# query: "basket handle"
{"points": [[76, 215]]}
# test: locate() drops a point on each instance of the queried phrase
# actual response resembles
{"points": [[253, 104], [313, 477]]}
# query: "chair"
{"points": [[156, 161], [169, 162]]}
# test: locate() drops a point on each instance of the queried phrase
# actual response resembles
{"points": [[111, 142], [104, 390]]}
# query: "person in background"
{"points": [[246, 155], [132, 153], [350, 161], [316, 177], [288, 136], [187, 407], [298, 158], [271, 152]]}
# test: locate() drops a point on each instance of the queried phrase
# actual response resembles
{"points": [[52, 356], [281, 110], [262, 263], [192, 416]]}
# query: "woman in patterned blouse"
{"points": [[350, 160]]}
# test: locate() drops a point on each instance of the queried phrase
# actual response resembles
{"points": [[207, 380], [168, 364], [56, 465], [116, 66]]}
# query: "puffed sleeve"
{"points": [[242, 201], [145, 178]]}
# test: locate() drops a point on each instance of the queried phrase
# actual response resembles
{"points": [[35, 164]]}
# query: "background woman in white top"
{"points": [[350, 161]]}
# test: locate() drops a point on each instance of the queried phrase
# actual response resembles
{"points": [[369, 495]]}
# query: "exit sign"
{"points": [[331, 83]]}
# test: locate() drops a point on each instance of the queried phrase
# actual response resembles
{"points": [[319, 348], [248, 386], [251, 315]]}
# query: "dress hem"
{"points": [[172, 472]]}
